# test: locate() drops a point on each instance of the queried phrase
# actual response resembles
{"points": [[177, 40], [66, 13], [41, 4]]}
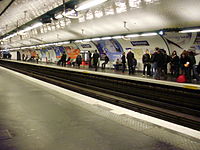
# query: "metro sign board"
{"points": [[140, 43]]}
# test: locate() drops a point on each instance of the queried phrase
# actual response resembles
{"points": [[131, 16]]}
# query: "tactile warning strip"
{"points": [[174, 138]]}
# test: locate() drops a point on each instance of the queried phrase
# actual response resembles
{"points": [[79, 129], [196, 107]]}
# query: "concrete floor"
{"points": [[38, 118]]}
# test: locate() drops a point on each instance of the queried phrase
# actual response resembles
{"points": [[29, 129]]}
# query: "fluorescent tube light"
{"points": [[38, 24], [78, 41], [189, 30], [106, 38], [96, 39], [9, 36], [117, 37], [149, 34], [59, 43], [86, 40], [89, 4], [132, 35]]}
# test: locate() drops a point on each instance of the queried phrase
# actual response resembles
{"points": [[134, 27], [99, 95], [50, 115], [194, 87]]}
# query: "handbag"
{"points": [[181, 78]]}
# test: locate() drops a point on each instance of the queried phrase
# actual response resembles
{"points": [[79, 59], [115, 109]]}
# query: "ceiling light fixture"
{"points": [[132, 35], [86, 40], [96, 39], [106, 38], [189, 30], [89, 4], [35, 25], [78, 41], [118, 37], [149, 34], [161, 32]]}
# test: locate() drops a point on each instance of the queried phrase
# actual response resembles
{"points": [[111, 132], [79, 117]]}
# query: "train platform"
{"points": [[137, 76], [35, 115]]}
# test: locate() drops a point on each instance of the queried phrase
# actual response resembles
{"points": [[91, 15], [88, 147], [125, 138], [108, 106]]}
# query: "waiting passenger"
{"points": [[123, 58], [147, 63], [160, 60], [63, 59], [117, 64], [167, 59], [37, 58], [191, 56], [79, 60], [23, 57], [106, 60], [130, 59], [185, 63], [90, 59], [174, 64], [95, 59], [68, 61], [197, 69], [154, 62]]}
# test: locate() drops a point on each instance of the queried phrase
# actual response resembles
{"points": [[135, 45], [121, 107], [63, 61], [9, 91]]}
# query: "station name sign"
{"points": [[139, 43], [86, 46]]}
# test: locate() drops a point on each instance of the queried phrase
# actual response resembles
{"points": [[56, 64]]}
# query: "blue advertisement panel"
{"points": [[43, 53], [111, 48], [58, 51]]}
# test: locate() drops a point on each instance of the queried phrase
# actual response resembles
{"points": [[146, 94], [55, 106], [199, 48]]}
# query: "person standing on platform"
{"points": [[130, 59], [192, 58], [23, 57], [147, 63], [106, 60], [79, 60], [123, 58], [198, 69], [174, 64], [160, 60], [95, 59], [185, 64], [37, 58], [63, 59], [90, 59]]}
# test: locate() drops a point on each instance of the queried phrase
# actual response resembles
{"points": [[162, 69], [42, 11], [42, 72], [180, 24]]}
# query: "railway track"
{"points": [[169, 103]]}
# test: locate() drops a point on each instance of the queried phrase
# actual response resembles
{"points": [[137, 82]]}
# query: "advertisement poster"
{"points": [[43, 53], [111, 48], [58, 51], [32, 53], [72, 51], [180, 41]]}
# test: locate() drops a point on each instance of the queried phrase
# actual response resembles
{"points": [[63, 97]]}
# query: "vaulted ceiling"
{"points": [[113, 17]]}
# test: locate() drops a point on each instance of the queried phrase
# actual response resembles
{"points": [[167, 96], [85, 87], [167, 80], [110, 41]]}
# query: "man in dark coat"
{"points": [[146, 59], [90, 59], [79, 60], [130, 59], [63, 59], [123, 58], [95, 59]]}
